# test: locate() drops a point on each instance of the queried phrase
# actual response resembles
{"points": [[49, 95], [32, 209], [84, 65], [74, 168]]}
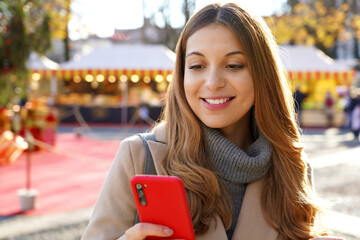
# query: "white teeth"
{"points": [[217, 101]]}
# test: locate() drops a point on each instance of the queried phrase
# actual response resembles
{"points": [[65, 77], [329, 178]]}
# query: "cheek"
{"points": [[246, 91], [250, 91], [250, 95], [189, 87], [247, 87]]}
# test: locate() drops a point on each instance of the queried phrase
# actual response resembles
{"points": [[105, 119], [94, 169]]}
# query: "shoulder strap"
{"points": [[149, 167], [149, 162]]}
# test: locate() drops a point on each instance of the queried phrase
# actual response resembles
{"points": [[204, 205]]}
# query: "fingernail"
{"points": [[168, 231]]}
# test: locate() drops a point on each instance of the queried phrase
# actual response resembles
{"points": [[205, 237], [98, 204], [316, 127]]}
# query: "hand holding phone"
{"points": [[142, 230], [162, 200]]}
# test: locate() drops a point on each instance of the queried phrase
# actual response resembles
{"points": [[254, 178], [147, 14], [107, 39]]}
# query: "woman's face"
{"points": [[217, 82]]}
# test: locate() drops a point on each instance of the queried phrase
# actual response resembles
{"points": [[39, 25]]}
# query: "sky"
{"points": [[90, 17]]}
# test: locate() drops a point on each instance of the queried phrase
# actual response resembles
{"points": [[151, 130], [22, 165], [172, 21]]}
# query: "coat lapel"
{"points": [[251, 224]]}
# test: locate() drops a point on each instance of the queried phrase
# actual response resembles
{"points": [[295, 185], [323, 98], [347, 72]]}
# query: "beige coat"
{"points": [[115, 209]]}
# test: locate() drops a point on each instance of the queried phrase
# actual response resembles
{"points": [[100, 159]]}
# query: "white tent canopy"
{"points": [[299, 58], [130, 56], [36, 62], [42, 64]]}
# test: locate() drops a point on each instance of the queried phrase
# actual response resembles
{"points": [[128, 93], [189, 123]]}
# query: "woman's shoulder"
{"points": [[160, 132], [135, 140], [131, 154], [132, 150]]}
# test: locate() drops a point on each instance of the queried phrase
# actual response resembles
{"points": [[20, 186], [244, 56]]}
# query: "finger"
{"points": [[142, 230]]}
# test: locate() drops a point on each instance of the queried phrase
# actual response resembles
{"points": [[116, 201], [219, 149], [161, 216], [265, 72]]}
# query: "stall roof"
{"points": [[36, 62], [125, 56], [299, 58]]}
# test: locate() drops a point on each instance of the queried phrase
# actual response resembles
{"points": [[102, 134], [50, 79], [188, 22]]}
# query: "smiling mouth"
{"points": [[218, 100]]}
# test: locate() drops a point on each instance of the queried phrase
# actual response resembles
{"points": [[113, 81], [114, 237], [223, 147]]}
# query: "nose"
{"points": [[214, 80]]}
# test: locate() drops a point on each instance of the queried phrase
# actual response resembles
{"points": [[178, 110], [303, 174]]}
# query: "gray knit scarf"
{"points": [[235, 166]]}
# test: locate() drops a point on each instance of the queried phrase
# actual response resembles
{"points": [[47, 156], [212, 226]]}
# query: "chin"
{"points": [[214, 124]]}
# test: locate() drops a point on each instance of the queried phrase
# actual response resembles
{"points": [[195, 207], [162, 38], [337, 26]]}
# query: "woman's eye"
{"points": [[235, 66], [196, 67]]}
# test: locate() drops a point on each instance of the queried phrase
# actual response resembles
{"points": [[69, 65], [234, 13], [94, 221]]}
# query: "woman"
{"points": [[355, 119], [229, 132]]}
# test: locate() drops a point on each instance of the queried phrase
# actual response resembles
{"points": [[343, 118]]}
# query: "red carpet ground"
{"points": [[68, 177]]}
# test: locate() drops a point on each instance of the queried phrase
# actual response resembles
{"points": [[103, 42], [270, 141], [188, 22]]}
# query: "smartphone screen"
{"points": [[162, 200]]}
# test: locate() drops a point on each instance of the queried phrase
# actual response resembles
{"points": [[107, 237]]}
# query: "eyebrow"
{"points": [[202, 55], [194, 53], [234, 53]]}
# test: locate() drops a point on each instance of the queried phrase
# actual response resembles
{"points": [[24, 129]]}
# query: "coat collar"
{"points": [[251, 224], [160, 133], [158, 147]]}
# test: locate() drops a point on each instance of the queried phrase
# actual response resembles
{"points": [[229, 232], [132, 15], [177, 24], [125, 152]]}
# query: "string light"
{"points": [[159, 78], [123, 78], [100, 78], [77, 79], [89, 78], [112, 79], [134, 78], [36, 76], [147, 79], [169, 77]]}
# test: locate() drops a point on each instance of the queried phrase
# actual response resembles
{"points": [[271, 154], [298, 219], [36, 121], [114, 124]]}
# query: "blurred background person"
{"points": [[355, 119], [299, 97], [329, 106]]}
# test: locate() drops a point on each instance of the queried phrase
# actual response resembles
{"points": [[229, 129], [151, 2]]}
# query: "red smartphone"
{"points": [[162, 200]]}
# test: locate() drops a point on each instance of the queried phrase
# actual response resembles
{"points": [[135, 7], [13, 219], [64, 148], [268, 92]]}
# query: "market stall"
{"points": [[110, 82], [315, 73], [43, 77], [34, 114], [317, 76], [39, 113]]}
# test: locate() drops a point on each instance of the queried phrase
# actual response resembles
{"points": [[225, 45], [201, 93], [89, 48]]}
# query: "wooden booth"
{"points": [[108, 84]]}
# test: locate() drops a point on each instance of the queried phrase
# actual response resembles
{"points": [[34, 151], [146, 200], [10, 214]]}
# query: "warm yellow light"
{"points": [[147, 79], [20, 142], [100, 78], [89, 78], [112, 79], [161, 86], [36, 76], [8, 135], [35, 85], [123, 78], [77, 79], [159, 78], [134, 78], [16, 108], [169, 77], [94, 84]]}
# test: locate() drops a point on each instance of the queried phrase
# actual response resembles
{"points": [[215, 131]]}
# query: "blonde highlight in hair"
{"points": [[293, 214]]}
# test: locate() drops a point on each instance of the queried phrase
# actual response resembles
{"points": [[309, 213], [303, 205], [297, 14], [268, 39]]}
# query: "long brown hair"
{"points": [[287, 200]]}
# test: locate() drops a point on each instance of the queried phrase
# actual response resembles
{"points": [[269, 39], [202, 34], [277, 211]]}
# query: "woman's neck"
{"points": [[239, 133]]}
